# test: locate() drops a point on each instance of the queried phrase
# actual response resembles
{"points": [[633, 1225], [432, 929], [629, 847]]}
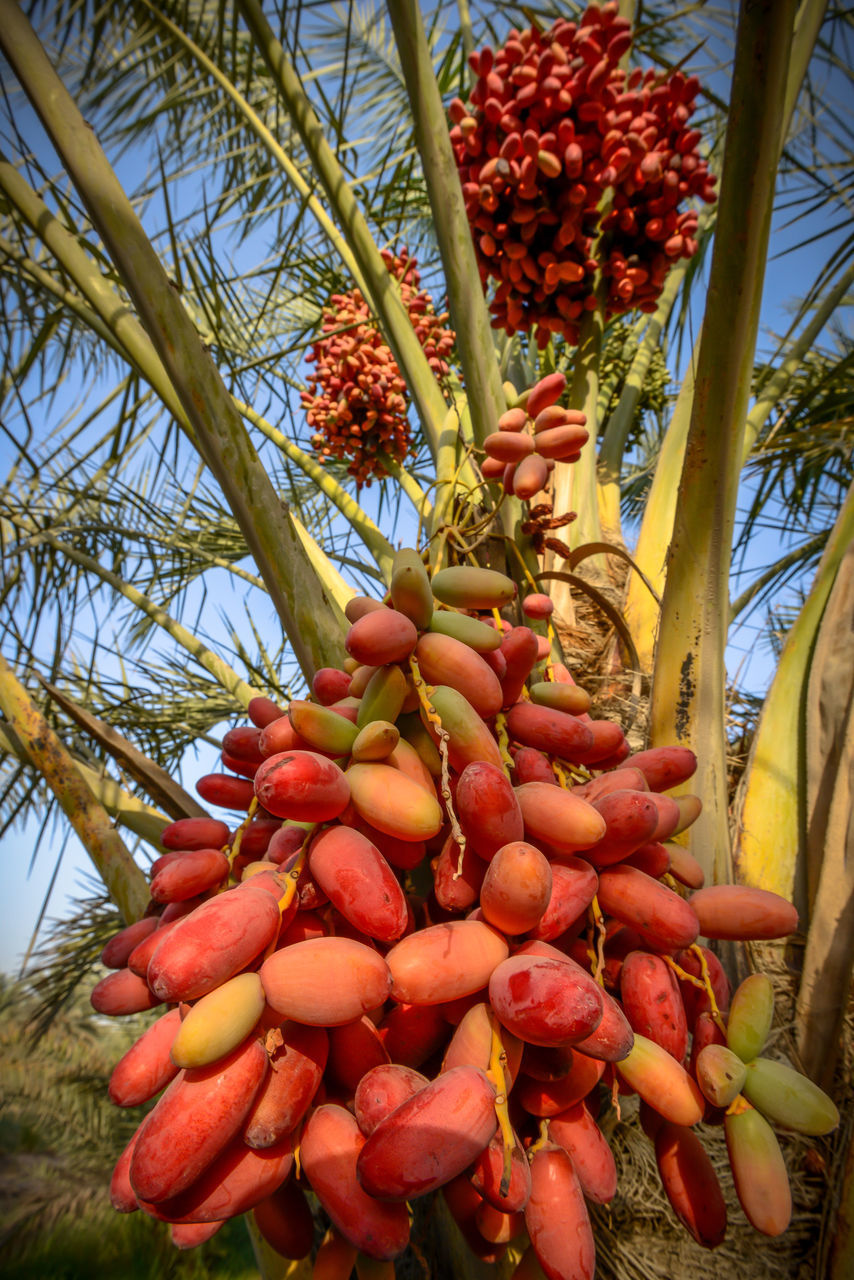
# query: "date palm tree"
{"points": [[185, 186]]}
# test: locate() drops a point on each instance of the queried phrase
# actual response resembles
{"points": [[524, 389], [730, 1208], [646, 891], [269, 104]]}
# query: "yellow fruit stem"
{"points": [[707, 983], [238, 835], [704, 983], [293, 874], [543, 1139], [739, 1105], [563, 774], [597, 956], [503, 741], [615, 1097], [497, 1073], [423, 691], [560, 774]]}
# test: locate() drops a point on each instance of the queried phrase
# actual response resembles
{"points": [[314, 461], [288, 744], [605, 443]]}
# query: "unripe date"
{"points": [[556, 1217], [213, 943], [580, 1136], [739, 912], [410, 588], [720, 1073], [325, 982], [302, 786], [297, 1064], [198, 1115], [329, 1148], [431, 1137], [751, 1013], [692, 1187], [219, 1022], [322, 728], [564, 822], [545, 1001], [470, 631], [487, 808], [445, 961], [470, 587], [664, 920], [147, 1067], [789, 1099], [758, 1170], [383, 696], [560, 697], [356, 878]]}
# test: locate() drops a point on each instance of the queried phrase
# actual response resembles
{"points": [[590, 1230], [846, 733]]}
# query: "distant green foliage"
{"points": [[60, 1137], [620, 349]]}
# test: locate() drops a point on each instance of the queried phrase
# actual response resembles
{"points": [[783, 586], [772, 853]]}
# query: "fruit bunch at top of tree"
{"points": [[559, 146], [355, 400]]}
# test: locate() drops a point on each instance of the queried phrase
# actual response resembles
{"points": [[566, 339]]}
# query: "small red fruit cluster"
{"points": [[356, 399], [521, 458], [553, 124]]}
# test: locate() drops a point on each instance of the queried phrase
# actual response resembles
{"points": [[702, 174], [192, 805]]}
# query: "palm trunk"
{"points": [[771, 817], [688, 695]]}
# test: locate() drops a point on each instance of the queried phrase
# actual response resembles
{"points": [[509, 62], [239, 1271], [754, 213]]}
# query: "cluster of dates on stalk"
{"points": [[533, 434], [355, 400], [558, 145], [453, 919]]}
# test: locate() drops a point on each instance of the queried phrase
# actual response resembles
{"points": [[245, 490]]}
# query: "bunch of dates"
{"points": [[533, 434], [557, 146], [355, 400], [451, 925]]}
